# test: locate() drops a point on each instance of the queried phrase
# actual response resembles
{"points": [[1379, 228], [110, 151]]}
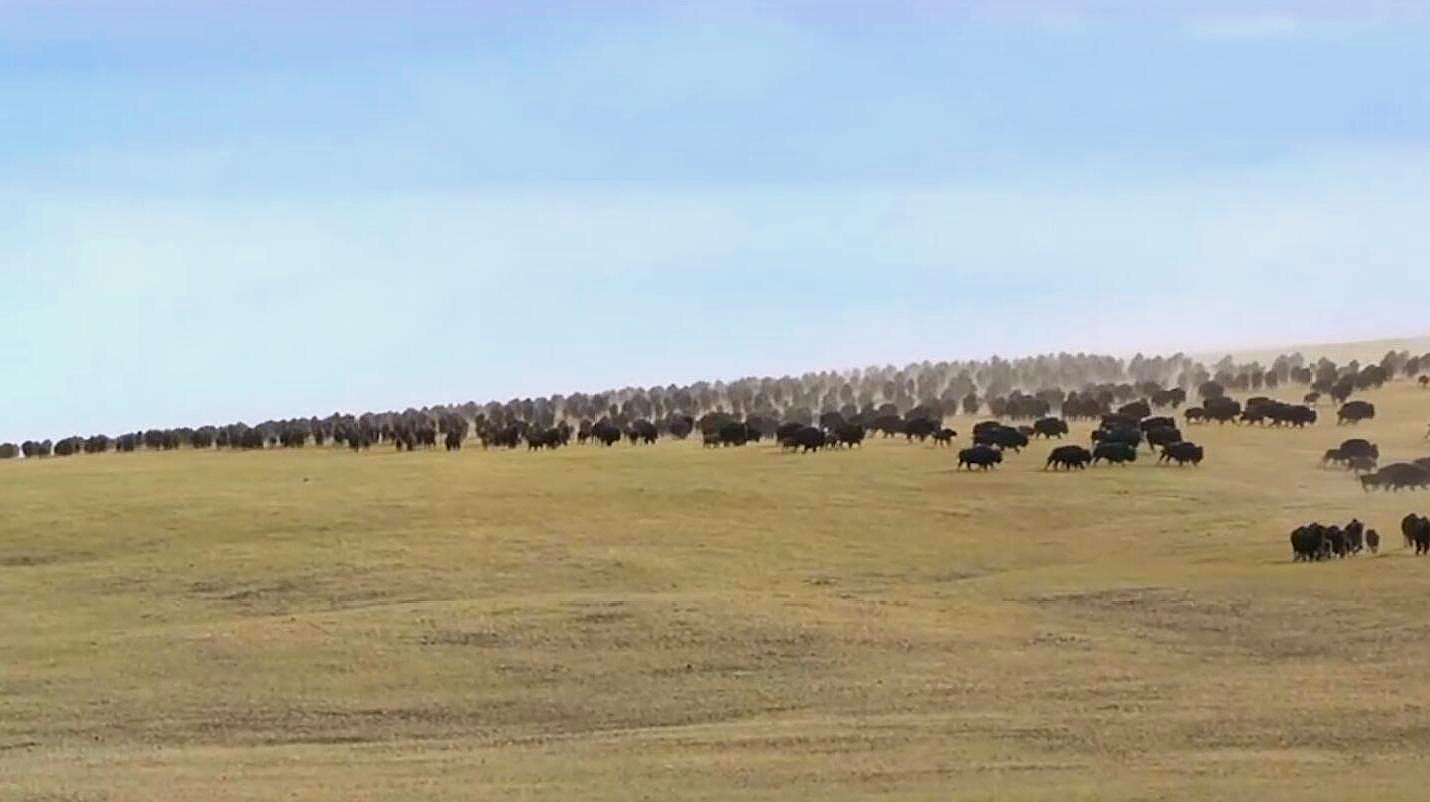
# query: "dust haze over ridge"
{"points": [[222, 222]]}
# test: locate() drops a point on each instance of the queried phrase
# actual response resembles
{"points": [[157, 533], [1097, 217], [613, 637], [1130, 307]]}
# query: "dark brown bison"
{"points": [[1004, 437], [1050, 427], [1416, 529], [1114, 453], [1353, 412], [1163, 436], [1068, 457], [807, 439], [1398, 476], [1182, 453], [984, 457]]}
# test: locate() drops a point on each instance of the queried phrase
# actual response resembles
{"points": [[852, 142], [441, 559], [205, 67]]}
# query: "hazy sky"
{"points": [[208, 215]]}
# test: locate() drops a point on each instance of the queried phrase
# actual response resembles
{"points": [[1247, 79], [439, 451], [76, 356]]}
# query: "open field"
{"points": [[670, 622]]}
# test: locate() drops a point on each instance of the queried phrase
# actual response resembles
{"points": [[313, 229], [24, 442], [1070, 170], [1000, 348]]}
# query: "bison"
{"points": [[1398, 476], [733, 433], [1222, 409], [921, 428], [1068, 457], [1129, 437], [606, 433], [1115, 453], [1004, 437], [1416, 529], [1308, 543], [1163, 436], [849, 434], [807, 439], [1182, 453], [1050, 427], [984, 457], [1354, 412]]}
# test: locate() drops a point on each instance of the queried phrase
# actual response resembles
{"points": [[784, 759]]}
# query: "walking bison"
{"points": [[1050, 427], [1114, 453], [1182, 453], [1353, 412], [984, 457], [1068, 457]]}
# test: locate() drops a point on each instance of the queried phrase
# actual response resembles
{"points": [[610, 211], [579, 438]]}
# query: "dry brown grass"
{"points": [[679, 623]]}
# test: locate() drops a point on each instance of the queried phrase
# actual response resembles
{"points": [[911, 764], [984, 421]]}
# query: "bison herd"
{"points": [[1314, 542], [1132, 403], [1130, 400]]}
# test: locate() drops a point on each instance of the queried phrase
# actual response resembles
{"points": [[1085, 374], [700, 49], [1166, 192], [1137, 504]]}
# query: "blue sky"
{"points": [[209, 215]]}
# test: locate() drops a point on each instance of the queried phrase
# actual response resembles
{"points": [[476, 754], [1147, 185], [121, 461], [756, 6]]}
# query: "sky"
{"points": [[213, 212]]}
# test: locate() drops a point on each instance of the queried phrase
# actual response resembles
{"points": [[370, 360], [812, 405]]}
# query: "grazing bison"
{"points": [[1050, 427], [984, 457], [1182, 453], [1115, 453], [1354, 412], [1068, 457]]}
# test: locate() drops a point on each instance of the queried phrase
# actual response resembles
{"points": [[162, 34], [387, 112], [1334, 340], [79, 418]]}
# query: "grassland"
{"points": [[672, 623]]}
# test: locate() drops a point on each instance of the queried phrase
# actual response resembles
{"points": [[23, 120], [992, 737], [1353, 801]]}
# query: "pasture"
{"points": [[678, 623]]}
